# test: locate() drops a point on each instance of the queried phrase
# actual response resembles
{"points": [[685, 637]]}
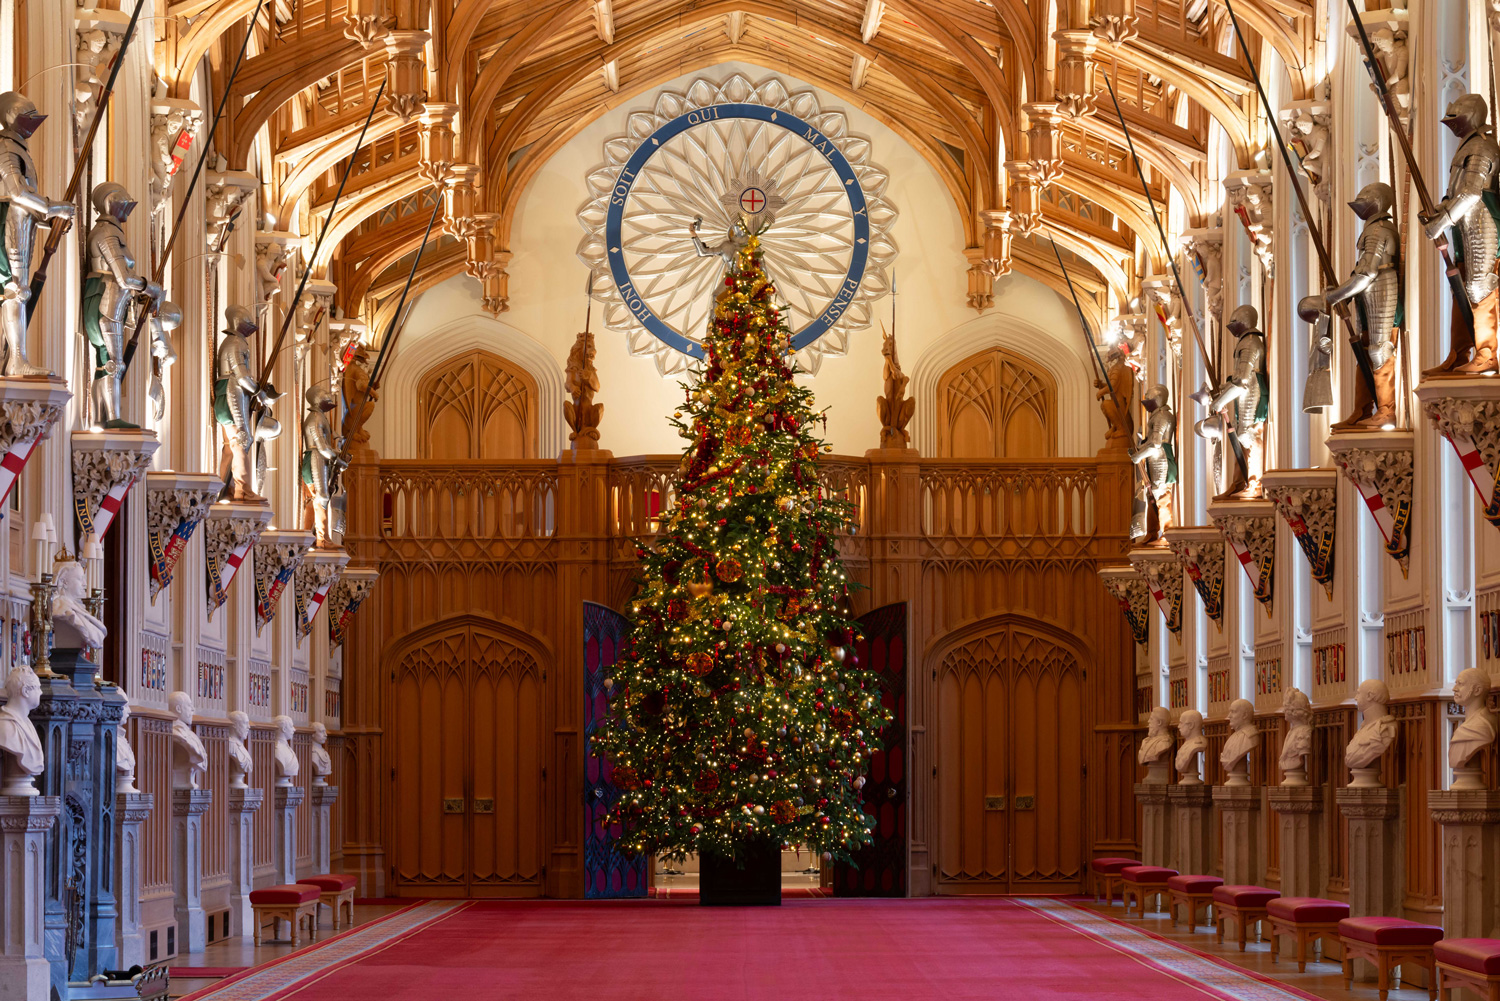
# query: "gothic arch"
{"points": [[996, 404], [477, 405]]}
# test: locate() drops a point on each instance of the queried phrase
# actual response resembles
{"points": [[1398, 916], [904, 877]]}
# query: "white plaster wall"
{"points": [[547, 309]]}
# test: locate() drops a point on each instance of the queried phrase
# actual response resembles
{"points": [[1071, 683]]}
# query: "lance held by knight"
{"points": [[1374, 288], [22, 211], [1471, 209]]}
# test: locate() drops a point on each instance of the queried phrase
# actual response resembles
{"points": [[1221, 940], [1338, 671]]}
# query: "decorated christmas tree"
{"points": [[740, 714]]}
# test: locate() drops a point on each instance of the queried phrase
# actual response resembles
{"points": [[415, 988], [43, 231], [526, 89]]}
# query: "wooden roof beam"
{"points": [[604, 21], [870, 26]]}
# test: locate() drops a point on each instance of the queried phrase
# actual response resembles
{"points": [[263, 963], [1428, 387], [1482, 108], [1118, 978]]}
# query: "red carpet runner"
{"points": [[831, 950]]}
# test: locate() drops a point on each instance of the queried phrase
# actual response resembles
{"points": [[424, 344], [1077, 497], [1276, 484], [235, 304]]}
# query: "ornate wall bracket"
{"points": [[1131, 590], [1467, 413], [1075, 90], [28, 410], [1306, 128], [1044, 161], [97, 37], [174, 124], [1379, 464], [1161, 295], [176, 503], [318, 572], [1249, 526], [406, 77], [364, 21], [106, 465], [438, 146], [353, 587], [232, 528], [1249, 194], [278, 554], [228, 194], [1164, 576], [1388, 33], [1200, 550], [1307, 501], [273, 253], [1205, 250]]}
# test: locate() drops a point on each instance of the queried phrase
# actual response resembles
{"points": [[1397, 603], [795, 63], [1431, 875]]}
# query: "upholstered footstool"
{"points": [[1192, 892], [292, 902], [1107, 876], [336, 889], [1469, 962], [1388, 943], [1143, 881], [1241, 903], [1307, 919]]}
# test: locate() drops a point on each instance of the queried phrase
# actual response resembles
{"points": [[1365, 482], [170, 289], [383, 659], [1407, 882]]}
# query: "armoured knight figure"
{"points": [[726, 248], [1375, 288], [235, 390], [108, 291], [1317, 391], [1245, 388], [1158, 451], [21, 211], [319, 453], [1469, 209], [167, 318]]}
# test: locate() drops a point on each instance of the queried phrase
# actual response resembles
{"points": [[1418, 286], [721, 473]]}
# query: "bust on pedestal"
{"points": [[1238, 801], [1471, 689], [1298, 742], [1375, 856], [1156, 754], [190, 801], [287, 764], [25, 818], [1470, 815], [1373, 738], [1244, 737], [1157, 746], [124, 758], [241, 764], [21, 758], [322, 764], [1192, 801], [288, 798], [1295, 803], [1190, 729], [189, 757]]}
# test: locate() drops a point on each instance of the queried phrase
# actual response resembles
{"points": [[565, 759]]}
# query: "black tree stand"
{"points": [[751, 878]]}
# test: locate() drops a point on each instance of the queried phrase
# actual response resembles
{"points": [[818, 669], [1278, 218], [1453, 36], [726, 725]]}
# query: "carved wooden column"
{"points": [[25, 974], [131, 811]]}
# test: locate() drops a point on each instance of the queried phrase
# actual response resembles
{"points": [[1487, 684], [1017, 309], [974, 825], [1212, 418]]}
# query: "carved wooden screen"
{"points": [[467, 750], [996, 404], [478, 406], [1010, 764], [608, 871]]}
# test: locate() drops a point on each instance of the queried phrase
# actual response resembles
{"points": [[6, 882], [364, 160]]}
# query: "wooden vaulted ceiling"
{"points": [[961, 80]]}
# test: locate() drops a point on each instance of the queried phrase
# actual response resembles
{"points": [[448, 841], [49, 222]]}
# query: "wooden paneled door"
{"points": [[466, 752], [1010, 765]]}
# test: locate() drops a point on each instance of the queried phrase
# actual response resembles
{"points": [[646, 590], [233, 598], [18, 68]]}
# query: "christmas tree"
{"points": [[740, 713]]}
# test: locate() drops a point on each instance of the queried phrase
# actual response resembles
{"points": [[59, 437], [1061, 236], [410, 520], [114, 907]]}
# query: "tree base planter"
{"points": [[752, 878]]}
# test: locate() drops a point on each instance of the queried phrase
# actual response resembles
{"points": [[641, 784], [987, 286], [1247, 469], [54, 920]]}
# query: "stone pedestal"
{"points": [[131, 811], [1299, 814], [1156, 823], [242, 806], [188, 808], [1192, 828], [323, 798], [284, 832], [25, 974], [1375, 858], [1471, 860], [1239, 818]]}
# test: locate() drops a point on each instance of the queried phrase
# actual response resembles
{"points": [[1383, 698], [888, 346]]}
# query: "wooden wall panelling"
{"points": [[263, 755], [1332, 729], [302, 747], [152, 743], [1415, 764], [1264, 771], [216, 820]]}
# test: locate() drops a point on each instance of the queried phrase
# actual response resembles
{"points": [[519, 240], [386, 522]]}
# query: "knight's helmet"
{"points": [[113, 201], [239, 321], [18, 115], [319, 398], [1466, 115], [1243, 319], [1373, 201], [1155, 398]]}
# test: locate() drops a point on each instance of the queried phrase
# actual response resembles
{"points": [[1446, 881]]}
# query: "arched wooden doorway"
{"points": [[1010, 759], [477, 405], [996, 405], [466, 751]]}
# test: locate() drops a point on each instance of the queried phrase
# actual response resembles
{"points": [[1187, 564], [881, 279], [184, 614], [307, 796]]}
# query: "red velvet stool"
{"points": [[1142, 881], [1107, 874], [336, 889], [1307, 919], [1192, 892], [1388, 943], [1469, 962], [292, 902], [1241, 903]]}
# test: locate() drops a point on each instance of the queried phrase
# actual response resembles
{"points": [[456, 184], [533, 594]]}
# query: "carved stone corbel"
{"points": [[1200, 550], [1130, 588], [1467, 413], [1380, 464], [29, 408], [1206, 248], [1114, 21], [278, 553], [997, 242], [1248, 192], [364, 21], [353, 587], [1025, 200], [1044, 162], [1306, 128], [318, 572], [273, 252], [406, 76], [313, 311], [1161, 295], [175, 505], [1074, 88], [1307, 500], [1164, 575], [229, 532], [97, 37], [228, 193], [105, 466], [494, 281], [438, 153], [1388, 35], [1249, 526], [981, 283], [174, 123]]}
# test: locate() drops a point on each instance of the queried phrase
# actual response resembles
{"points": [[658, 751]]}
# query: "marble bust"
{"points": [[124, 758], [240, 762], [322, 764], [1471, 690], [189, 757], [1373, 738], [1244, 737], [21, 758], [1157, 746], [287, 765], [72, 625], [1190, 729], [1297, 744]]}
